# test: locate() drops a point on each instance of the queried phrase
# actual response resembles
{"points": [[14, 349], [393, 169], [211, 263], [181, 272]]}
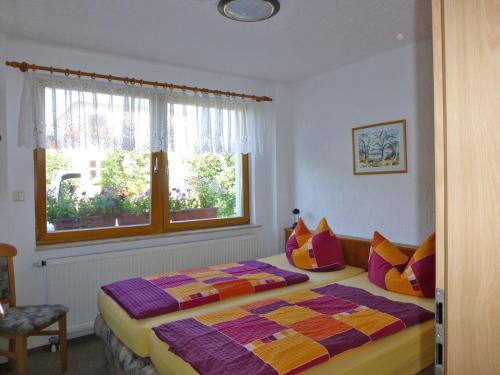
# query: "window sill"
{"points": [[145, 237]]}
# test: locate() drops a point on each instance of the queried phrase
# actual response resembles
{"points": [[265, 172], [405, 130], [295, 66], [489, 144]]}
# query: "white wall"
{"points": [[396, 84], [17, 219]]}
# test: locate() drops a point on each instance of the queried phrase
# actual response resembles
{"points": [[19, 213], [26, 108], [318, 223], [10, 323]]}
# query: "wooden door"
{"points": [[467, 127]]}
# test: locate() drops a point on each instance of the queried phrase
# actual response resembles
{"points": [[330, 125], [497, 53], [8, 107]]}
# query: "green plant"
{"points": [[86, 207], [213, 180], [62, 206], [55, 162], [105, 203], [141, 204], [182, 200], [130, 169]]}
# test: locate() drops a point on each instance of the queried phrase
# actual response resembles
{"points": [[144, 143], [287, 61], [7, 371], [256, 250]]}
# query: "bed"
{"points": [[405, 352], [135, 333]]}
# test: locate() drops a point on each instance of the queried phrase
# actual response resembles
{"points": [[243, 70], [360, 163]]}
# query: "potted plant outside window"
{"points": [[135, 211], [184, 206]]}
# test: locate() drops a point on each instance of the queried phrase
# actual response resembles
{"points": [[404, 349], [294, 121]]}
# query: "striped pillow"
{"points": [[318, 251], [392, 270]]}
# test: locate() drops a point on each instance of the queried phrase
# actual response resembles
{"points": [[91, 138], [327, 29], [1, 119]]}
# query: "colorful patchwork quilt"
{"points": [[289, 334], [173, 291]]}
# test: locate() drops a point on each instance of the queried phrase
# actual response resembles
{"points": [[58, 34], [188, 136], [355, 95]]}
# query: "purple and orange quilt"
{"points": [[173, 291], [289, 334]]}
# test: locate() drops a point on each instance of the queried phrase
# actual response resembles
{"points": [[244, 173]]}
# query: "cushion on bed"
{"points": [[318, 251], [392, 270]]}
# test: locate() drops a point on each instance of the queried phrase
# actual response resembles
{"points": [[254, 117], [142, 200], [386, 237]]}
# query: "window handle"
{"points": [[155, 167]]}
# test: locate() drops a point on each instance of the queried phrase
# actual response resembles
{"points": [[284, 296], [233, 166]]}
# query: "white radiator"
{"points": [[75, 281]]}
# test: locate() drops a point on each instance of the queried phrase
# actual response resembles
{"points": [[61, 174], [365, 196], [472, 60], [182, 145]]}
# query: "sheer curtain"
{"points": [[62, 112]]}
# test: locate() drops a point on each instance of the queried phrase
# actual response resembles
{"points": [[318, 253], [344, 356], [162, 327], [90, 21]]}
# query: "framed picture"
{"points": [[380, 148]]}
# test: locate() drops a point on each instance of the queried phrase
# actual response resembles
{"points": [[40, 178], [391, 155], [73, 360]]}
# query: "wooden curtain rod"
{"points": [[24, 66]]}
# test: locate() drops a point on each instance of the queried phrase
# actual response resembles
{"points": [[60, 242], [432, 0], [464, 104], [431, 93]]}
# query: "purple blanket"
{"points": [[165, 293]]}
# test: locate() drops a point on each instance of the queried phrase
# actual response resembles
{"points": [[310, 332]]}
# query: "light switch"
{"points": [[19, 196]]}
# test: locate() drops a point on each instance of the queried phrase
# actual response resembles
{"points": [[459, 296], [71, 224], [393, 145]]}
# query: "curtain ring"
{"points": [[23, 67], [141, 82], [79, 74], [66, 73], [93, 75], [51, 70], [110, 78]]}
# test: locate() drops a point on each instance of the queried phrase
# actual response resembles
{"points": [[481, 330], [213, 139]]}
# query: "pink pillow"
{"points": [[391, 269], [318, 251]]}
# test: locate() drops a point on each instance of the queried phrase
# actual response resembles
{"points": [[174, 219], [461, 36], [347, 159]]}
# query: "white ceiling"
{"points": [[305, 38]]}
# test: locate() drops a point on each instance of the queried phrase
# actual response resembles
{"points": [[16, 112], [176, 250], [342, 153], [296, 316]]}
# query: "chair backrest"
{"points": [[7, 282]]}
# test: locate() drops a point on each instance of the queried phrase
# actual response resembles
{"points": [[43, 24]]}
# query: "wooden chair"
{"points": [[21, 322]]}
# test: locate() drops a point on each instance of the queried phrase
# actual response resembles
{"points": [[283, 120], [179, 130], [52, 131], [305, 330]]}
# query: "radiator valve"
{"points": [[54, 343]]}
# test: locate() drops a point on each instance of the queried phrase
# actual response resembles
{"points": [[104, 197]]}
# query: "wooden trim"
{"points": [[63, 342], [470, 169], [357, 250], [40, 195], [45, 238], [160, 214], [12, 282], [9, 252], [24, 66], [213, 223], [373, 126], [7, 354], [22, 355], [439, 140]]}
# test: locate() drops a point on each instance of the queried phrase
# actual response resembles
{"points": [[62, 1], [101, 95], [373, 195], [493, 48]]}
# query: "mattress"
{"points": [[135, 333], [406, 352]]}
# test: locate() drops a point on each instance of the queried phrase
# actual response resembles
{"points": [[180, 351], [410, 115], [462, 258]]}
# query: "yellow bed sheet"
{"points": [[135, 333], [406, 352]]}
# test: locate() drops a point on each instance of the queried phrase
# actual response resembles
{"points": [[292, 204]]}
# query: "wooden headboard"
{"points": [[356, 250]]}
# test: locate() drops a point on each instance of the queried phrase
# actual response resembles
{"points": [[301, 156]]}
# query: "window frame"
{"points": [[160, 212]]}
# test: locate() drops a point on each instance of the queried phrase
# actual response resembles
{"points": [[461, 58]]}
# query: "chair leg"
{"points": [[63, 342], [22, 355], [12, 349]]}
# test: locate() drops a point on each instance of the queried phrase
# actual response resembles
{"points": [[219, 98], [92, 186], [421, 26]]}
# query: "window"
{"points": [[98, 174]]}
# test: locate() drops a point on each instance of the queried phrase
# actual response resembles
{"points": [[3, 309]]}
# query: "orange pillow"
{"points": [[390, 269], [318, 251]]}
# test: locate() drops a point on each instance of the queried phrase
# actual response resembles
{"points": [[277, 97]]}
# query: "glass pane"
{"points": [[204, 186], [98, 189]]}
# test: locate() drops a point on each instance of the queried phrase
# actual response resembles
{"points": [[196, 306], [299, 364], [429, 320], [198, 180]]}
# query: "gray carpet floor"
{"points": [[85, 356]]}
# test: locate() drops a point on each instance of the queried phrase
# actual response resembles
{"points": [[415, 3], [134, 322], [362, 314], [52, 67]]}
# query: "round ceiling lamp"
{"points": [[248, 10]]}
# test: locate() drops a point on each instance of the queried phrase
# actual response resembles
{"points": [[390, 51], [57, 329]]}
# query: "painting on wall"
{"points": [[380, 148]]}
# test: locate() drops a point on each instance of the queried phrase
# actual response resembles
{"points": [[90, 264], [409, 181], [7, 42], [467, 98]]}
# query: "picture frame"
{"points": [[380, 148]]}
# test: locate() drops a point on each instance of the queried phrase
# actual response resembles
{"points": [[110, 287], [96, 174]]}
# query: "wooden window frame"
{"points": [[160, 212]]}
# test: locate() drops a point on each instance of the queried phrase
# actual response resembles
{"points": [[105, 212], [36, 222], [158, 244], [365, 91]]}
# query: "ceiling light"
{"points": [[248, 10]]}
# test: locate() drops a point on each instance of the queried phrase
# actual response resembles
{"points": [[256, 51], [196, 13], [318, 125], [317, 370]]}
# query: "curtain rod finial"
{"points": [[23, 67]]}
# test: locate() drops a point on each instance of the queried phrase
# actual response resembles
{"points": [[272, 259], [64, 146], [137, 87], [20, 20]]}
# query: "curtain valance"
{"points": [[62, 112]]}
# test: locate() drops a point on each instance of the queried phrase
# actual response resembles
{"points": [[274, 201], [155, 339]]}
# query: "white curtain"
{"points": [[60, 112]]}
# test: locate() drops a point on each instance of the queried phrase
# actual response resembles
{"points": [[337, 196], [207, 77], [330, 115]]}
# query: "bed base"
{"points": [[120, 360]]}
